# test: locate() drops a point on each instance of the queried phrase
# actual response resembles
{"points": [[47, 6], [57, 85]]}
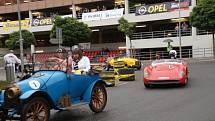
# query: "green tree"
{"points": [[13, 41], [73, 31], [203, 17], [128, 29]]}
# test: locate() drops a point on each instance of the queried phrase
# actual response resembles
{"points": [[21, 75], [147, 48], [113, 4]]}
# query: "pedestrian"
{"points": [[157, 56], [177, 29], [12, 61], [184, 27]]}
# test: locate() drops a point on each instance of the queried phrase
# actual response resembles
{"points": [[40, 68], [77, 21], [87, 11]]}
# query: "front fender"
{"points": [[27, 94], [2, 97], [88, 92]]}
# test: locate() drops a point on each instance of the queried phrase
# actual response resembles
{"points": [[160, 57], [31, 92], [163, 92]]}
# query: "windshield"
{"points": [[50, 61], [166, 61]]}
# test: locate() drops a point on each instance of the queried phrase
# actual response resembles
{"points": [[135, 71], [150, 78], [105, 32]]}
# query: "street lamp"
{"points": [[179, 27], [20, 36]]}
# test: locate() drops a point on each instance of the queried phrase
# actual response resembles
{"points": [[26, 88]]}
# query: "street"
{"points": [[132, 102]]}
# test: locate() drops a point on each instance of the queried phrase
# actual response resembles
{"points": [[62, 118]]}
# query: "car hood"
{"points": [[165, 72], [36, 82]]}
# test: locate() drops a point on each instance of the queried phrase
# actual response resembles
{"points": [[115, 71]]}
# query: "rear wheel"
{"points": [[37, 109], [98, 98]]}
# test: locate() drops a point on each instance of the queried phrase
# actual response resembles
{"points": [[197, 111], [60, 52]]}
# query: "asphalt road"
{"points": [[132, 102]]}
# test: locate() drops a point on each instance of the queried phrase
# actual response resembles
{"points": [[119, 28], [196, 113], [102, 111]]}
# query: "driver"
{"points": [[80, 62], [172, 54]]}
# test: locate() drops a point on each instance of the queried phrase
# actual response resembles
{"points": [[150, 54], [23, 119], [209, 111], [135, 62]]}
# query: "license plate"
{"points": [[163, 77]]}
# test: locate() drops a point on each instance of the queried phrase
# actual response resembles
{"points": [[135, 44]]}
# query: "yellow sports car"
{"points": [[123, 62]]}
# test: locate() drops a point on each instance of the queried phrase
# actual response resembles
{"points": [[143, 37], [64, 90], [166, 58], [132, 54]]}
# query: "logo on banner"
{"points": [[42, 22], [142, 10]]}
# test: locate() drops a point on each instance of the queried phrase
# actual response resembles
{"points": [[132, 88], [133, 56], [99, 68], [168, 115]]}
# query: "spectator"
{"points": [[115, 6], [177, 29], [11, 60], [98, 8], [157, 56], [184, 27], [104, 8]]}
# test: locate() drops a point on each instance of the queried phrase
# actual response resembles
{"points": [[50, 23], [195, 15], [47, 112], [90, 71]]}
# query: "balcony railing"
{"points": [[160, 34], [203, 32]]}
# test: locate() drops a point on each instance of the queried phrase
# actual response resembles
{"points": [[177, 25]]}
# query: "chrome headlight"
{"points": [[13, 92], [146, 74]]}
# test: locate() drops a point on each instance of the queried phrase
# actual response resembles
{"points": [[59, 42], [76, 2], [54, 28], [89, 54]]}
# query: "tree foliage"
{"points": [[126, 27], [203, 15], [13, 41], [73, 31]]}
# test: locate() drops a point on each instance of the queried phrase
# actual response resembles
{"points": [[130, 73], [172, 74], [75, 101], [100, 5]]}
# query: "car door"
{"points": [[78, 84]]}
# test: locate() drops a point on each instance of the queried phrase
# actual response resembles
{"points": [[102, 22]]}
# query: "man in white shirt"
{"points": [[81, 62], [11, 59], [173, 54]]}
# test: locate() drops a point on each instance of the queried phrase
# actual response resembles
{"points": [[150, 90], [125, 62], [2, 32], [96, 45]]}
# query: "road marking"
{"points": [[122, 83]]}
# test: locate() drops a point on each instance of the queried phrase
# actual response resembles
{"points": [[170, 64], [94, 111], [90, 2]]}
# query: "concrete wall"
{"points": [[108, 22]]}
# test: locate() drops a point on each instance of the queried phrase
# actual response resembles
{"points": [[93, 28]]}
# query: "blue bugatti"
{"points": [[32, 98]]}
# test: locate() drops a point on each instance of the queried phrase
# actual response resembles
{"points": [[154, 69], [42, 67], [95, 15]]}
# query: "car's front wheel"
{"points": [[98, 98], [37, 109], [147, 85]]}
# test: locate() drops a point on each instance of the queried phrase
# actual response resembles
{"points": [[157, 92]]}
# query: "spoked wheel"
{"points": [[98, 98], [3, 115], [36, 109]]}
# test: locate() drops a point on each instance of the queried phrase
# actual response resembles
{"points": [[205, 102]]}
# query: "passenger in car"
{"points": [[80, 62]]}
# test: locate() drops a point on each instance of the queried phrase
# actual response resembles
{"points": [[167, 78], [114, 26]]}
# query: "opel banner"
{"points": [[161, 7], [42, 21]]}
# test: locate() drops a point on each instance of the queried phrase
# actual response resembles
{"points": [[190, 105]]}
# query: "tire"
{"points": [[33, 108], [3, 115], [98, 98], [147, 86], [131, 78], [138, 68]]}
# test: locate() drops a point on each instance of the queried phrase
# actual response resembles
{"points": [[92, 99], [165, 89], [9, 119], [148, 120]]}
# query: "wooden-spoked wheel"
{"points": [[37, 109], [98, 98]]}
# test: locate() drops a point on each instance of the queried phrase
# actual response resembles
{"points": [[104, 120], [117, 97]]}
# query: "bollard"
{"points": [[10, 73]]}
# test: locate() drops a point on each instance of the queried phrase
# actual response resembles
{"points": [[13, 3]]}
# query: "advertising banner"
{"points": [[99, 15], [15, 24], [42, 21], [161, 7]]}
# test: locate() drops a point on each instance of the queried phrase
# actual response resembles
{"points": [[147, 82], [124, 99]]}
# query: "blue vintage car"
{"points": [[32, 98]]}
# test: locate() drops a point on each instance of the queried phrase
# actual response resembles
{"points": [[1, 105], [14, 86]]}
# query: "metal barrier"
{"points": [[186, 53], [160, 34], [203, 32]]}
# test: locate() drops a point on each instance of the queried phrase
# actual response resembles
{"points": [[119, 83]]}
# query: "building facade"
{"points": [[156, 20]]}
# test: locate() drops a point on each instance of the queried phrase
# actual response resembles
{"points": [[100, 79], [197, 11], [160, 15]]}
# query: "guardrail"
{"points": [[161, 34], [203, 32], [186, 53]]}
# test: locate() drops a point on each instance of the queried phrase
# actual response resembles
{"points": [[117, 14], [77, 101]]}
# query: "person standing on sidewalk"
{"points": [[11, 60]]}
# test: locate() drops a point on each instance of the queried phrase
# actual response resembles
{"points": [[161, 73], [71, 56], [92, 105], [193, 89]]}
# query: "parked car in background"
{"points": [[125, 62]]}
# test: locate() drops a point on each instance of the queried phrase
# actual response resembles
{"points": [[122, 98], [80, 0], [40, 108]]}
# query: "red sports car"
{"points": [[167, 71]]}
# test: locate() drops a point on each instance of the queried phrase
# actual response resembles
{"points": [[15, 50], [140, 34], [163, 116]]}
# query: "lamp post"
{"points": [[20, 36], [179, 27]]}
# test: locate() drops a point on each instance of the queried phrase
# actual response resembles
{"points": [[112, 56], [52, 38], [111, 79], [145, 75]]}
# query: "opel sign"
{"points": [[42, 22]]}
